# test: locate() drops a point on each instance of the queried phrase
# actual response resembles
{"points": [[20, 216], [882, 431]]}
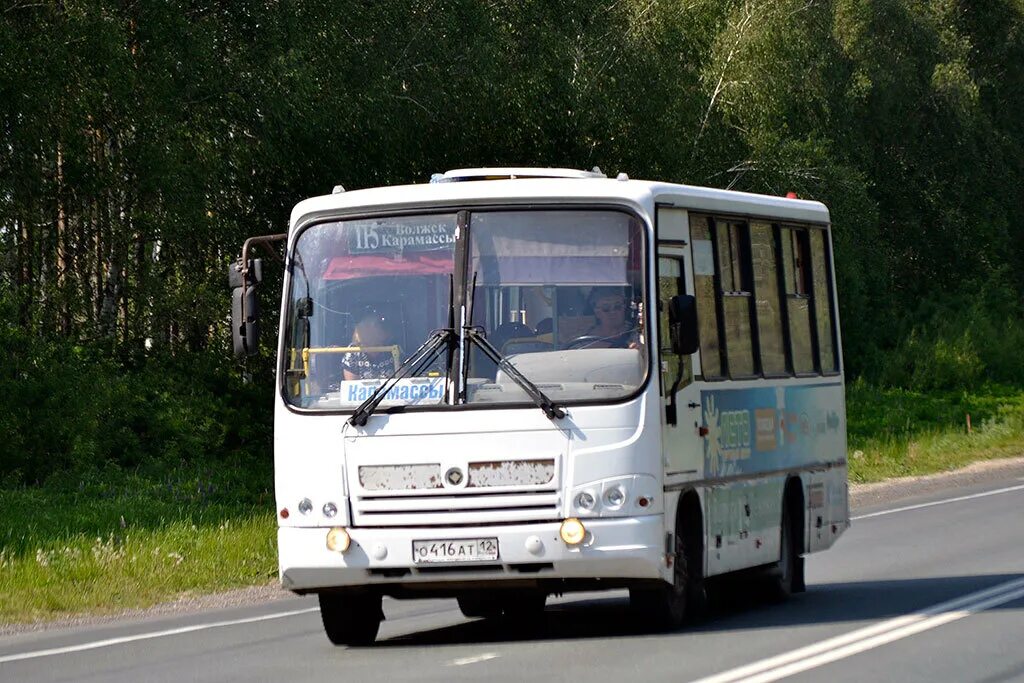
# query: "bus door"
{"points": [[682, 447]]}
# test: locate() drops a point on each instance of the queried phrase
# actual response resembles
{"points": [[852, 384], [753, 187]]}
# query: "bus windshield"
{"points": [[558, 293]]}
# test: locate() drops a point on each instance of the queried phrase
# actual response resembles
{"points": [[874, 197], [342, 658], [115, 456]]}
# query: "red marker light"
{"points": [[702, 431], [284, 513], [791, 195]]}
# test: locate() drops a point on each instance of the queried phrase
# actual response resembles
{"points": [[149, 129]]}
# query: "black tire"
{"points": [[477, 606], [788, 575], [665, 607], [525, 609], [351, 618]]}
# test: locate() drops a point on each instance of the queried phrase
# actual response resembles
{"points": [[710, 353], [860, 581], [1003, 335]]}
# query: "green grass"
{"points": [[897, 433], [135, 568], [65, 553]]}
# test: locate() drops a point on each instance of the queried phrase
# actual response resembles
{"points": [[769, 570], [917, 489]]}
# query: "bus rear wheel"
{"points": [[788, 575], [351, 618]]}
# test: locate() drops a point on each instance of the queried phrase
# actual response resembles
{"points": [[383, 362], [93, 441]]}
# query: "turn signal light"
{"points": [[338, 539], [572, 531]]}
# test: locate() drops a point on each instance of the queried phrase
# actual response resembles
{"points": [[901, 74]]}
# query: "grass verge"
{"points": [[58, 561], [898, 433]]}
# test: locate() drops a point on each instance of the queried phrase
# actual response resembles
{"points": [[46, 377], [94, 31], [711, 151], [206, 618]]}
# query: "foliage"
{"points": [[896, 432], [143, 142], [73, 415]]}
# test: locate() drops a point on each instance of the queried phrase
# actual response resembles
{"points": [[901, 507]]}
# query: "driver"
{"points": [[370, 331], [611, 327]]}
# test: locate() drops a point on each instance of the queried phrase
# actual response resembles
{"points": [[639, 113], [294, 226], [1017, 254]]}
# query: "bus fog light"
{"points": [[330, 509], [585, 501], [572, 531], [338, 539], [614, 497], [305, 506]]}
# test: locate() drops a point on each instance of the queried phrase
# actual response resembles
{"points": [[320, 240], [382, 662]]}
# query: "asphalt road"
{"points": [[933, 593]]}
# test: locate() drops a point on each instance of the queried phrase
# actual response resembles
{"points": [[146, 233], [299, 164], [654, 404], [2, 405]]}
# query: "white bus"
{"points": [[512, 383]]}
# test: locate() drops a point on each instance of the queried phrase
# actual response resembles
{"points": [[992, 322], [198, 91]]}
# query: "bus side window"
{"points": [[823, 302], [764, 255], [704, 289], [796, 267], [670, 283], [734, 258]]}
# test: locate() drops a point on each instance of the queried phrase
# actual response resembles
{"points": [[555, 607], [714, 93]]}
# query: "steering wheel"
{"points": [[585, 340]]}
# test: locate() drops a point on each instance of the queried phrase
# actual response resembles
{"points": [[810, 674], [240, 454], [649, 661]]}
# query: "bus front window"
{"points": [[363, 294], [560, 294]]}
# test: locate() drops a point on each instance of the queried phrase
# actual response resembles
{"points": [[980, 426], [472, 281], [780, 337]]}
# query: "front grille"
{"points": [[472, 492], [462, 509]]}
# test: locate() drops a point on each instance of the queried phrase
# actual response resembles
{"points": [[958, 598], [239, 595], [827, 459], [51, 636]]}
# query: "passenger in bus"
{"points": [[370, 332], [612, 328]]}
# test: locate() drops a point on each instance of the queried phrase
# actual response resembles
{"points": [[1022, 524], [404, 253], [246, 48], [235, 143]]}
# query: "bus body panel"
{"points": [[794, 427]]}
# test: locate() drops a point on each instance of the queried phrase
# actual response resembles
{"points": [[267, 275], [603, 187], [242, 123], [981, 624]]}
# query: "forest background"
{"points": [[143, 141]]}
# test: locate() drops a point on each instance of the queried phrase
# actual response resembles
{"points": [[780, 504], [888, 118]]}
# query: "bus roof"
{"points": [[586, 188]]}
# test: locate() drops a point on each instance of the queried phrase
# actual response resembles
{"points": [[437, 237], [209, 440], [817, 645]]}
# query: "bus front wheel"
{"points": [[351, 618], [665, 607], [480, 606]]}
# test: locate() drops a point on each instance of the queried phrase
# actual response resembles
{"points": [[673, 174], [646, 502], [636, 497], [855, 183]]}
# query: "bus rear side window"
{"points": [[823, 302], [796, 262]]}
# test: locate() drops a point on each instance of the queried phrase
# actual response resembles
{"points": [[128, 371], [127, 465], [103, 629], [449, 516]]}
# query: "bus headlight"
{"points": [[338, 539], [572, 531], [614, 497], [585, 501]]}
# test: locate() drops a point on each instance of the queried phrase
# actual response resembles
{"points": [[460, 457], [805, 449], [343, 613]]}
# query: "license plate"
{"points": [[461, 550]]}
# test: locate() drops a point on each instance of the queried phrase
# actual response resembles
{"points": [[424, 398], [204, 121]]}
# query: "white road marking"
{"points": [[938, 502], [474, 659], [148, 636], [870, 637]]}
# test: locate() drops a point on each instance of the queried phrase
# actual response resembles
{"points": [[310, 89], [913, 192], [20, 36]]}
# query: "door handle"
{"points": [[691, 406]]}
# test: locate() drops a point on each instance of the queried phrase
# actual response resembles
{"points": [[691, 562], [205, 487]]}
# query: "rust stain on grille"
{"points": [[400, 477], [511, 473]]}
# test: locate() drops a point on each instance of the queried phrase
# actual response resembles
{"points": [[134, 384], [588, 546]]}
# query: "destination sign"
{"points": [[390, 237], [410, 391]]}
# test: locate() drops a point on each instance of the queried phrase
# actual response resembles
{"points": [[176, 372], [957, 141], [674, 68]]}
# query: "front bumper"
{"points": [[631, 548]]}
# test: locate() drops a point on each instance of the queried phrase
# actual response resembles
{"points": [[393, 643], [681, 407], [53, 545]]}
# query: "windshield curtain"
{"points": [[561, 295], [559, 292], [365, 294]]}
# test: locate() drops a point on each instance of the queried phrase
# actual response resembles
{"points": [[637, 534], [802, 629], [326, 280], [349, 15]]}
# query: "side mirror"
{"points": [[682, 324], [245, 309]]}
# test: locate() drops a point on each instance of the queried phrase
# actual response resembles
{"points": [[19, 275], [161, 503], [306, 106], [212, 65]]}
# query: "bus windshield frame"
{"points": [[364, 291]]}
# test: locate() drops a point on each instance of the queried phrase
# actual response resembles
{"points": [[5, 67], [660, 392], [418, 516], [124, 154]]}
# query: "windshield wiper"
{"points": [[554, 411], [417, 362]]}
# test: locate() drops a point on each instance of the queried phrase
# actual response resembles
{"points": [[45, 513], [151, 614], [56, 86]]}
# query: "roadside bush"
{"points": [[959, 345], [71, 415]]}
